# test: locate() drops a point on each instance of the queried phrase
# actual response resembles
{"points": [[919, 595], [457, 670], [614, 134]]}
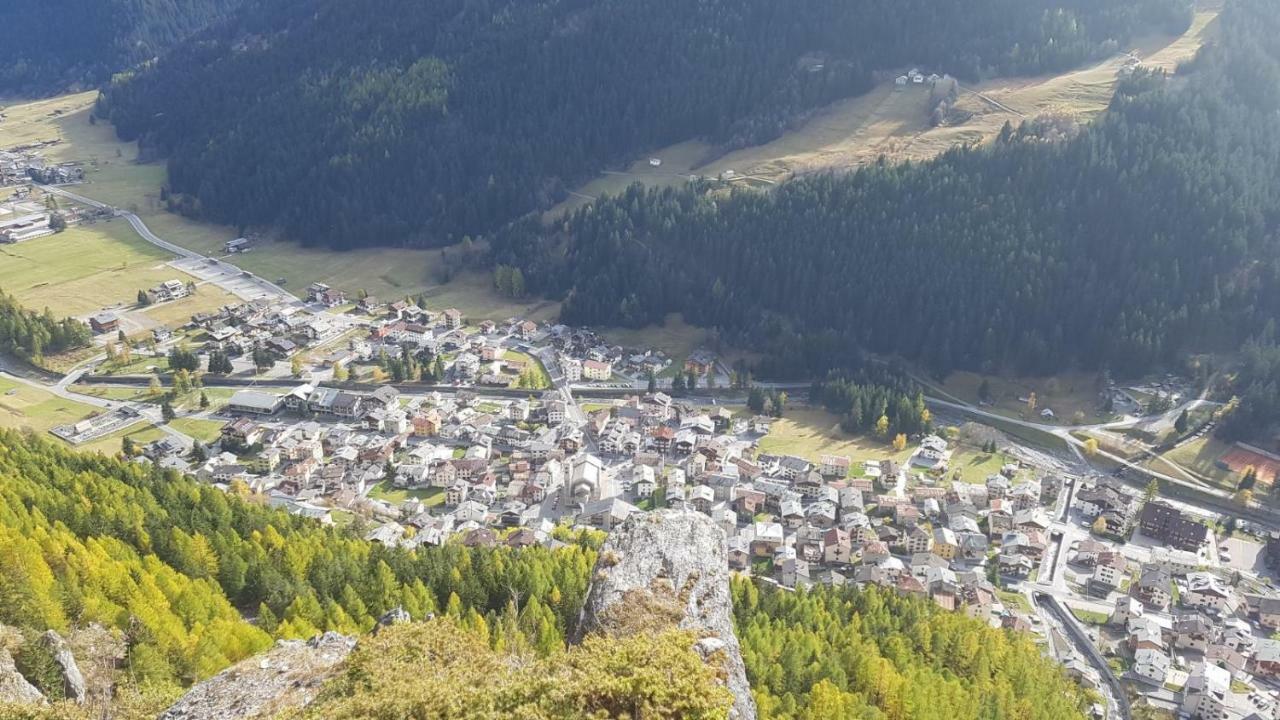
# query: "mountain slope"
{"points": [[403, 122], [1122, 244], [46, 46]]}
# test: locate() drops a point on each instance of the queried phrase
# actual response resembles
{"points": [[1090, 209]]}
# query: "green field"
{"points": [[206, 431], [386, 492], [1016, 601], [811, 433], [1089, 617], [110, 445], [1199, 457], [83, 269], [975, 466], [22, 406], [121, 393], [544, 380], [1071, 396]]}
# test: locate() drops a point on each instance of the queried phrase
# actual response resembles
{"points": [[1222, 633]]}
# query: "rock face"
{"points": [[73, 685], [287, 677], [670, 568], [13, 687]]}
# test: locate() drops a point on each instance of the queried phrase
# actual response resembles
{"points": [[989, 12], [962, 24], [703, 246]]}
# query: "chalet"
{"points": [[1151, 665], [918, 540], [1192, 632], [767, 537], [700, 362], [1015, 564], [1153, 588], [104, 322], [325, 295], [836, 466], [242, 432], [1206, 590], [453, 318], [1266, 658]]}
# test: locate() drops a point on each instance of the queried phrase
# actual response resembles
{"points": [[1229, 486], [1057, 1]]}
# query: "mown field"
{"points": [[83, 269], [811, 433], [22, 406]]}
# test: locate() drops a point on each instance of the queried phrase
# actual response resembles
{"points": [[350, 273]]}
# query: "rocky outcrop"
{"points": [[670, 568], [14, 689], [286, 678], [394, 616], [73, 685]]}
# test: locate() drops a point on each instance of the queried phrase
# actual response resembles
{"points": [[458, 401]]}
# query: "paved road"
{"points": [[263, 286], [1117, 700]]}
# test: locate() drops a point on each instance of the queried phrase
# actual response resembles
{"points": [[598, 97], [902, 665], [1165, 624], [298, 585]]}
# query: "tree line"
{"points": [[875, 655], [401, 122], [1134, 240], [46, 47], [876, 401], [33, 335], [172, 564]]}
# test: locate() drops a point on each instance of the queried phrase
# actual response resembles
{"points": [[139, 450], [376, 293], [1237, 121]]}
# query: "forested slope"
{"points": [[1142, 236], [409, 122], [170, 564], [46, 46]]}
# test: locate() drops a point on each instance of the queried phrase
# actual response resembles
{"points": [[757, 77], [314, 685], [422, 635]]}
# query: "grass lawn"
{"points": [[110, 445], [811, 433], [543, 379], [1065, 394], [207, 298], [22, 406], [206, 431], [975, 466], [386, 492], [1016, 601], [84, 269], [114, 392], [1199, 456], [138, 365], [1089, 617]]}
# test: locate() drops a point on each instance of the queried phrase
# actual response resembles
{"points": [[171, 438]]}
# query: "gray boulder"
{"points": [[669, 568], [287, 677], [14, 689], [394, 616], [73, 685]]}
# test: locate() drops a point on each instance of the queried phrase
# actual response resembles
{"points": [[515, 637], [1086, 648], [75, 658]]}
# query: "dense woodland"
{"points": [[1144, 235], [176, 568], [48, 46], [33, 335], [874, 655], [874, 400], [169, 562], [409, 122]]}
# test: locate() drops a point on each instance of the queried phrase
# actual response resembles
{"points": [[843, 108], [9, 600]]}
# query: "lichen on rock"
{"points": [[664, 569]]}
